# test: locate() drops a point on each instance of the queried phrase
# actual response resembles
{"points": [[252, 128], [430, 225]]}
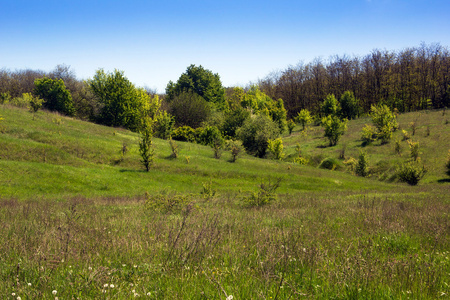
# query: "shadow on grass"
{"points": [[132, 171], [445, 180]]}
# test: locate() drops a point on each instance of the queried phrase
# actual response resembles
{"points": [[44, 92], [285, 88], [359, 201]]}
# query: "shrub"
{"points": [[2, 129], [35, 104], [329, 163], [334, 128], [330, 106], [276, 148], [55, 94], [146, 147], [189, 109], [414, 150], [174, 148], [398, 147], [301, 160], [235, 148], [5, 97], [349, 105], [23, 101], [255, 134], [163, 125], [290, 126], [304, 118], [362, 164], [207, 192], [405, 135], [411, 172], [166, 202], [184, 134], [264, 195], [351, 163], [413, 126], [385, 121], [210, 136], [368, 134]]}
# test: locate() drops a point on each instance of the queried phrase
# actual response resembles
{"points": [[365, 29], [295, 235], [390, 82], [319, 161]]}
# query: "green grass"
{"points": [[74, 218]]}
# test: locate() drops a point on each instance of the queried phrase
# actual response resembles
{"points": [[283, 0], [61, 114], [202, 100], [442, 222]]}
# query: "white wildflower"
{"points": [[54, 292], [111, 285], [230, 297], [105, 285], [13, 294], [18, 298]]}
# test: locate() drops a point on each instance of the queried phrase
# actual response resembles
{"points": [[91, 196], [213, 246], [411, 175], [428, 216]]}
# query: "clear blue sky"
{"points": [[155, 41]]}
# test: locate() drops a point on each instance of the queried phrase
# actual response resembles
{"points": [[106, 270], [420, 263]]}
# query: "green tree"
{"points": [[362, 164], [349, 105], [276, 148], [163, 125], [255, 134], [146, 145], [55, 95], [122, 103], [334, 128], [304, 118], [384, 120], [330, 106], [233, 120], [200, 81], [189, 109]]}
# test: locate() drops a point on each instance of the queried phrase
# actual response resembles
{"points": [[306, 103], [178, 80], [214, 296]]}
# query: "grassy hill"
{"points": [[76, 221]]}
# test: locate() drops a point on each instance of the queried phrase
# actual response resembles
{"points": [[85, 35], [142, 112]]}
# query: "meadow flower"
{"points": [[105, 285], [13, 294], [111, 285], [149, 294], [54, 292], [230, 297], [18, 298]]}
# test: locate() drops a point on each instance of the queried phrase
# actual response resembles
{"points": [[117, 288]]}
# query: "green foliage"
{"points": [[349, 105], [329, 163], [398, 147], [414, 150], [123, 105], [173, 148], [189, 109], [35, 104], [368, 134], [233, 120], [255, 134], [411, 172], [362, 165], [210, 136], [146, 149], [5, 97], [163, 125], [330, 106], [351, 163], [334, 128], [235, 148], [276, 148], [290, 126], [405, 135], [304, 118], [384, 120], [208, 192], [167, 202], [2, 128], [55, 95], [265, 194], [184, 134], [199, 81]]}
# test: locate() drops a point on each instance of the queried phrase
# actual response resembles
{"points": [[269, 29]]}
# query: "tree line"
{"points": [[406, 80]]}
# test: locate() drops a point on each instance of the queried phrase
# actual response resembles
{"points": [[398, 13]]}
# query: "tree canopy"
{"points": [[200, 81], [55, 95]]}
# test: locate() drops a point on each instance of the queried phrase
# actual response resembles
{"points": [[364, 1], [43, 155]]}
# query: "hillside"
{"points": [[54, 156]]}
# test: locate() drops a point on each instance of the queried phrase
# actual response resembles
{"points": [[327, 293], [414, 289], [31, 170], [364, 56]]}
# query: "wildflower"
{"points": [[105, 285], [111, 285], [124, 265], [230, 297], [18, 298], [90, 268], [29, 283], [149, 294], [133, 291], [13, 294], [54, 292], [56, 298]]}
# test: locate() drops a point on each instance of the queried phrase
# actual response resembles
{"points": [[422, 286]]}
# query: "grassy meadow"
{"points": [[78, 217]]}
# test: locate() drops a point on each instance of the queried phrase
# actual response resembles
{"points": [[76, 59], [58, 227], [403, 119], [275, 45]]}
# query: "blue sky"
{"points": [[155, 41]]}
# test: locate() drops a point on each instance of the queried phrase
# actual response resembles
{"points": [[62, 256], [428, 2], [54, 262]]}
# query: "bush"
{"points": [[184, 134], [2, 129], [368, 134], [276, 148], [405, 135], [210, 136], [163, 125], [174, 148], [303, 118], [165, 202], [330, 106], [235, 148], [362, 164], [334, 128], [411, 172], [255, 134], [349, 105], [290, 126], [146, 147], [398, 147], [385, 122], [329, 163], [351, 163], [5, 98], [55, 95], [189, 109], [414, 150], [265, 194]]}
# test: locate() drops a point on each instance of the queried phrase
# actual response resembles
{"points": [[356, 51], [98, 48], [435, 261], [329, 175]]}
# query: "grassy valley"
{"points": [[78, 217]]}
